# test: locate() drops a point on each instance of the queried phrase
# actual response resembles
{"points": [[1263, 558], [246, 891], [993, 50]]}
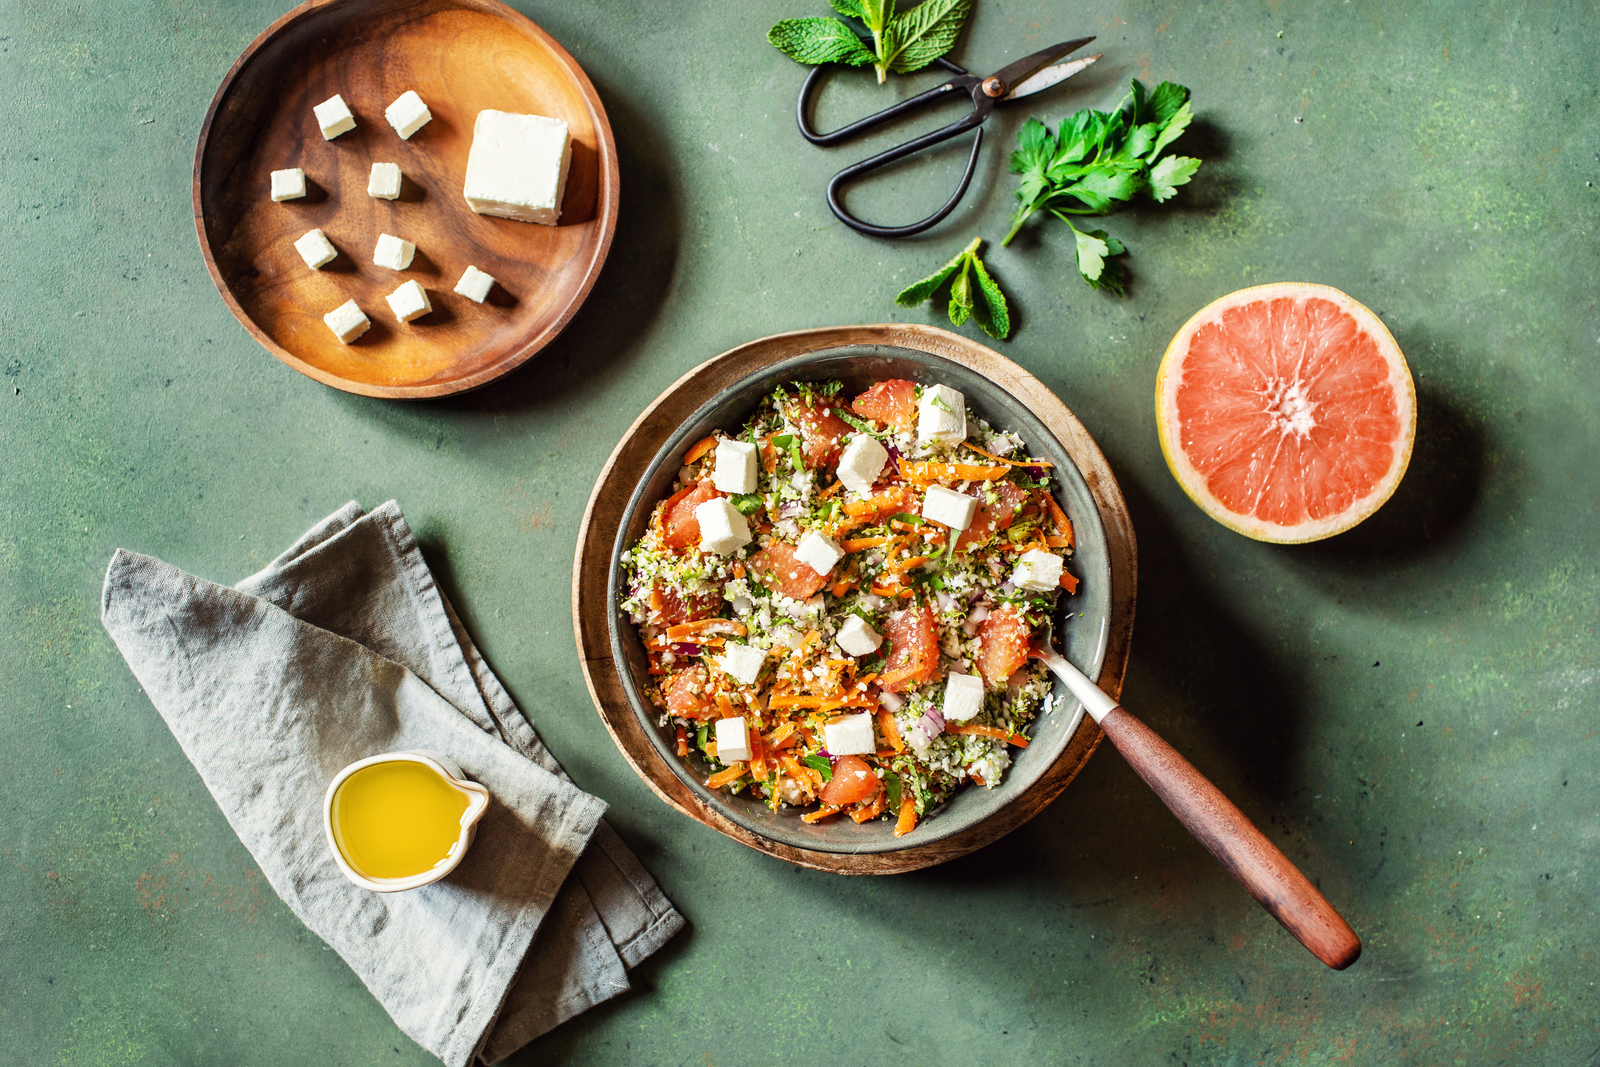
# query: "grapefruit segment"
{"points": [[1286, 411]]}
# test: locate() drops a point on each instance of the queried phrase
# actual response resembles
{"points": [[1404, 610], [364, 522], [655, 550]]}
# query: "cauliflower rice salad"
{"points": [[837, 602]]}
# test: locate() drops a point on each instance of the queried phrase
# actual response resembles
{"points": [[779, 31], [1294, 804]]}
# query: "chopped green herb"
{"points": [[891, 786], [747, 503], [820, 764]]}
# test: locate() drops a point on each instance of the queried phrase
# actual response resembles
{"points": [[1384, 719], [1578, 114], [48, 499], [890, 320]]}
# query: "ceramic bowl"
{"points": [[1082, 624]]}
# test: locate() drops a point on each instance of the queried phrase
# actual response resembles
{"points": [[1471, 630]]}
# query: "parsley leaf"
{"points": [[902, 43], [992, 315]]}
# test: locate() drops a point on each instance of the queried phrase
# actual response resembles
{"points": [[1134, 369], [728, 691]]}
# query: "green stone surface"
{"points": [[1409, 710]]}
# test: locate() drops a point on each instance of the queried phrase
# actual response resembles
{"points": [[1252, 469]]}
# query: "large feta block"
{"points": [[393, 252], [407, 114], [941, 415], [475, 285], [953, 509], [384, 181], [735, 470], [743, 662], [818, 551], [288, 184], [347, 321], [410, 301], [517, 168], [722, 528], [861, 463], [849, 735], [334, 117], [733, 740], [963, 696], [857, 638], [315, 248], [1037, 570]]}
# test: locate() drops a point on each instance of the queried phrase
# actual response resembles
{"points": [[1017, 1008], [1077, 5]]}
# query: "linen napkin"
{"points": [[343, 647]]}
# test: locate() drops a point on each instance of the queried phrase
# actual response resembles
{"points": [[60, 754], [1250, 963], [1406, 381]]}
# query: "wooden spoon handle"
{"points": [[1234, 840]]}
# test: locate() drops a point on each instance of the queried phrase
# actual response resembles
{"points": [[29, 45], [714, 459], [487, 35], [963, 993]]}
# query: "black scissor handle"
{"points": [[904, 107]]}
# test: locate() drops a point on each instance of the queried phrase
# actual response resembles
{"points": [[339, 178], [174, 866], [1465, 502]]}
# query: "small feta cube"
{"points": [[288, 184], [953, 509], [733, 740], [861, 463], [517, 168], [963, 696], [316, 249], [407, 114], [857, 638], [722, 528], [818, 551], [743, 662], [384, 181], [333, 115], [1037, 570], [393, 252], [347, 321], [735, 470], [475, 285], [941, 415], [410, 301], [849, 735]]}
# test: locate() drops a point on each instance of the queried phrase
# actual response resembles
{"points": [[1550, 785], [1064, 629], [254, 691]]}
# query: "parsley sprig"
{"points": [[968, 271], [902, 43], [1096, 162]]}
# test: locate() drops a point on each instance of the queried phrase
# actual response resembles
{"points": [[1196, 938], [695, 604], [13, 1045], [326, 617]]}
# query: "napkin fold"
{"points": [[344, 647]]}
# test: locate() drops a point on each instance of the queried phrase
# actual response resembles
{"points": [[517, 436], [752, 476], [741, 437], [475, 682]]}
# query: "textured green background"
{"points": [[1409, 709]]}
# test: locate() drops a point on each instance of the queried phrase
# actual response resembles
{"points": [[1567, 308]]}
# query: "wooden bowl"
{"points": [[722, 393], [461, 57]]}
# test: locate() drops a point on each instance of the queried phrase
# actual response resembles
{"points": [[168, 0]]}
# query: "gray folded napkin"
{"points": [[344, 647]]}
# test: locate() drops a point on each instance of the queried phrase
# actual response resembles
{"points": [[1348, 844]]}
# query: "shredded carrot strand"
{"points": [[906, 564], [951, 472], [722, 626], [722, 778], [856, 544], [701, 447], [1063, 523], [826, 493], [908, 817], [1069, 581], [821, 813], [1008, 462], [891, 732]]}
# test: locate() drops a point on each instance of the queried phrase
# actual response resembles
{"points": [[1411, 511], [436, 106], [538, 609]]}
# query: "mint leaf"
{"points": [[987, 306], [1167, 175], [850, 8], [925, 33], [918, 292], [992, 314], [747, 503], [891, 786], [820, 764], [814, 41], [961, 294]]}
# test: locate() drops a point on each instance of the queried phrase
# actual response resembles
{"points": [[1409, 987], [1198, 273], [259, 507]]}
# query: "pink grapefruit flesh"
{"points": [[1286, 411]]}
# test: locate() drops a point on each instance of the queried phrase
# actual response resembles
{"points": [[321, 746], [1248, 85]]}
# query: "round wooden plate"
{"points": [[461, 57], [591, 610]]}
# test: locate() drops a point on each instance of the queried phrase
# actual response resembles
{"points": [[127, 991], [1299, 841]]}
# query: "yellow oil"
{"points": [[396, 819]]}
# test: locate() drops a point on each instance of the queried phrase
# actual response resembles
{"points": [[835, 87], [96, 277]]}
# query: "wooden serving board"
{"points": [[461, 57], [626, 468]]}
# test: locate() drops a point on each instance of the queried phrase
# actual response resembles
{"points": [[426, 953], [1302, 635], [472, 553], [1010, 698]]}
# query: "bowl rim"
{"points": [[639, 448]]}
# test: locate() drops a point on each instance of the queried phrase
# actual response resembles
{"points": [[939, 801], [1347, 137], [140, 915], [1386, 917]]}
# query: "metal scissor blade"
{"points": [[1050, 76], [1026, 67]]}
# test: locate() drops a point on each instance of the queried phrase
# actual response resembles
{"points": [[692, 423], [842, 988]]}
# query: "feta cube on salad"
{"points": [[743, 662], [735, 470], [722, 528], [847, 735], [857, 638], [963, 696], [733, 740], [941, 415], [949, 507], [861, 463], [1037, 571], [818, 551]]}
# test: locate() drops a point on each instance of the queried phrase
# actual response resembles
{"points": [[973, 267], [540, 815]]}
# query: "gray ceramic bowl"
{"points": [[1083, 621]]}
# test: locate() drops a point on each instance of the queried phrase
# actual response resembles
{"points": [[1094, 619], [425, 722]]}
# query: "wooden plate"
{"points": [[461, 57], [627, 468]]}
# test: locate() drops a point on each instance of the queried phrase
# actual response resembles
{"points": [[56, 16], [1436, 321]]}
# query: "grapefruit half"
{"points": [[1286, 411]]}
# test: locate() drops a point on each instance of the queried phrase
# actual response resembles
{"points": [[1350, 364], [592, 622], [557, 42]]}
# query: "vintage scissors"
{"points": [[1023, 78]]}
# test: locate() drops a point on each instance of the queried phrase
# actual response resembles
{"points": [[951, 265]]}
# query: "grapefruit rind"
{"points": [[1193, 481]]}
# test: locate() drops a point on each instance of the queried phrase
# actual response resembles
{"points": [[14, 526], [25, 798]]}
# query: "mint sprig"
{"points": [[902, 43], [964, 273]]}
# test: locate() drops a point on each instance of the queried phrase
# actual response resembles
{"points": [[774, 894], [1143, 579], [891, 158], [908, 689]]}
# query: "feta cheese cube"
{"points": [[735, 470], [849, 735], [743, 662], [857, 638], [393, 252], [722, 528], [316, 249], [517, 168], [410, 301], [963, 696], [384, 181], [941, 415], [733, 740], [953, 509], [407, 114], [288, 184], [818, 551], [475, 285], [861, 463], [347, 321], [1037, 570], [333, 115]]}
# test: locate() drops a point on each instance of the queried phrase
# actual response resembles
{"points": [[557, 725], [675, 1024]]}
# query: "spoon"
{"points": [[1212, 818]]}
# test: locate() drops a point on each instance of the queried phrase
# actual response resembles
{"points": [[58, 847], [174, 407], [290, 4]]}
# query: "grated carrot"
{"points": [[684, 629], [821, 813], [951, 472], [1008, 462], [907, 564], [908, 817], [1069, 581], [700, 448], [856, 544], [826, 493], [891, 732], [1020, 740], [722, 778]]}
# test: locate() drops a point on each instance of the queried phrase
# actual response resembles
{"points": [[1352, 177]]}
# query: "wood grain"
{"points": [[461, 57], [626, 468], [1233, 839]]}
